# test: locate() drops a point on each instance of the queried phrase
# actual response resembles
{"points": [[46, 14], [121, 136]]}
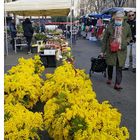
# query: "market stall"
{"points": [[53, 46], [39, 8], [115, 9], [94, 25]]}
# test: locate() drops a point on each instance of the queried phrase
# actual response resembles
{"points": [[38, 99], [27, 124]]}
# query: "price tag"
{"points": [[49, 52]]}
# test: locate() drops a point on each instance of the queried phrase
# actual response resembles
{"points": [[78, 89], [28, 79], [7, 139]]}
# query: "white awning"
{"points": [[39, 7], [127, 9]]}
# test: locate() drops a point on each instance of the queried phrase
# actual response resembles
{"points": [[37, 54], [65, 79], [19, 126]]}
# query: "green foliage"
{"points": [[19, 28], [62, 102], [77, 123], [40, 36]]}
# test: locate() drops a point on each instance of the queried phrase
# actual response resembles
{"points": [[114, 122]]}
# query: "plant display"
{"points": [[40, 36], [20, 123], [66, 79], [71, 110], [70, 117], [67, 55], [73, 113], [55, 32], [19, 28], [23, 84]]}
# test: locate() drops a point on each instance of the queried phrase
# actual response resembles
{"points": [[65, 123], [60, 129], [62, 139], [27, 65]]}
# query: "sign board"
{"points": [[49, 52]]}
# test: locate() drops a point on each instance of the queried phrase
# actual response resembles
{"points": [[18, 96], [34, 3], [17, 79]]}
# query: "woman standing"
{"points": [[28, 32], [115, 40], [13, 33]]}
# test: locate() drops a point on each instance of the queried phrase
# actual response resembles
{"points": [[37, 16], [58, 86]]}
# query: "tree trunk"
{"points": [[119, 3]]}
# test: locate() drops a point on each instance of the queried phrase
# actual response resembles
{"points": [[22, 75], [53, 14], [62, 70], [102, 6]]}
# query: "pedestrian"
{"points": [[13, 33], [131, 48], [100, 28], [79, 32], [36, 27], [116, 37], [42, 28], [74, 34], [28, 32]]}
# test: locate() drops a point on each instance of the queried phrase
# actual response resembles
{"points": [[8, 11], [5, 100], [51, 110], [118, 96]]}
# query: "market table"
{"points": [[20, 41]]}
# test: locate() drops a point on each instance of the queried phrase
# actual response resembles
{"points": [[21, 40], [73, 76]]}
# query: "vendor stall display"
{"points": [[38, 8], [52, 49], [40, 36], [19, 29], [67, 55]]}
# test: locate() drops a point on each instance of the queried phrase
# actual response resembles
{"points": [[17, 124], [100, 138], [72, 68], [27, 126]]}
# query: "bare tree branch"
{"points": [[119, 3], [98, 5]]}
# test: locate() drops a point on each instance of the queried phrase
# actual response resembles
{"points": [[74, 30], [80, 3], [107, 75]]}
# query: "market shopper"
{"points": [[13, 33], [28, 32], [116, 37], [79, 32], [100, 28], [132, 44], [36, 27], [74, 34], [42, 28]]}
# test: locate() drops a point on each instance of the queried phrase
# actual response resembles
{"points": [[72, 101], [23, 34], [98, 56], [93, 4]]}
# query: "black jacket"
{"points": [[27, 28], [132, 24], [13, 31]]}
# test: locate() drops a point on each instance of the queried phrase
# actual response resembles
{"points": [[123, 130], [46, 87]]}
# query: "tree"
{"points": [[119, 3], [95, 5], [99, 4]]}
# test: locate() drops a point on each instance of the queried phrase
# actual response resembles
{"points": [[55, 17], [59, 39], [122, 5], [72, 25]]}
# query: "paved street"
{"points": [[125, 100]]}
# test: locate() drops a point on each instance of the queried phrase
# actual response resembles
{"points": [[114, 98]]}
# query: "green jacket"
{"points": [[111, 58]]}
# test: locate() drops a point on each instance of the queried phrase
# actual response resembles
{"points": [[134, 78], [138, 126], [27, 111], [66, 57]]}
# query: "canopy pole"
{"points": [[67, 27], [71, 19], [39, 24], [6, 42], [71, 30]]}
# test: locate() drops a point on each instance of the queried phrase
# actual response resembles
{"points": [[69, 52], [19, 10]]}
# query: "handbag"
{"points": [[114, 46]]}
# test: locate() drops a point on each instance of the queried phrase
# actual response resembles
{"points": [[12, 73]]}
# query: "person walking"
{"points": [[28, 32], [100, 27], [13, 33], [132, 44], [116, 37], [74, 34]]}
